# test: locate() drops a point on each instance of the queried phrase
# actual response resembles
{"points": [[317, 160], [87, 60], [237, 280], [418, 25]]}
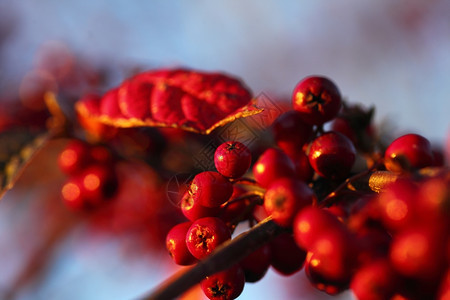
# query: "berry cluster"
{"points": [[213, 205], [92, 179], [382, 240]]}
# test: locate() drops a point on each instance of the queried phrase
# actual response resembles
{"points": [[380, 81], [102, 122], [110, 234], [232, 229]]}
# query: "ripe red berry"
{"points": [[313, 267], [210, 189], [74, 158], [225, 285], [193, 210], [72, 194], [89, 189], [101, 154], [256, 264], [205, 235], [285, 197], [433, 200], [397, 205], [334, 251], [176, 244], [419, 252], [303, 168], [290, 132], [373, 243], [375, 281], [317, 99], [444, 287], [235, 210], [310, 222], [343, 126], [408, 152], [232, 159], [271, 165], [286, 257], [99, 181], [332, 155]]}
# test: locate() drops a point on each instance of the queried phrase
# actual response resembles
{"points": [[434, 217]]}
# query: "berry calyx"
{"points": [[317, 99], [205, 234], [232, 159], [408, 153], [210, 189], [332, 155], [225, 285]]}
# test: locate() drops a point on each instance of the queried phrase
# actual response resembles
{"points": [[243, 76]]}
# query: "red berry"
{"points": [[74, 158], [303, 168], [176, 244], [433, 200], [286, 257], [72, 194], [271, 165], [193, 210], [285, 197], [232, 159], [101, 155], [373, 243], [332, 155], [89, 189], [210, 189], [438, 157], [205, 235], [375, 281], [236, 209], [339, 211], [317, 99], [313, 271], [397, 205], [256, 264], [444, 288], [259, 213], [290, 132], [408, 152], [99, 181], [419, 252], [343, 126], [309, 224], [334, 251], [225, 285]]}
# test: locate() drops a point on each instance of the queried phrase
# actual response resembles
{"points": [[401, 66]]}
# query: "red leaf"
{"points": [[179, 98]]}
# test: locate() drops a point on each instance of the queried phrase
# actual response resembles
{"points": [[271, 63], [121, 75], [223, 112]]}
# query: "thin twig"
{"points": [[245, 180], [328, 199], [245, 196], [221, 259]]}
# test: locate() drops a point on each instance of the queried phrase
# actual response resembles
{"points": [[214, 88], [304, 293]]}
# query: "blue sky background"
{"points": [[394, 55]]}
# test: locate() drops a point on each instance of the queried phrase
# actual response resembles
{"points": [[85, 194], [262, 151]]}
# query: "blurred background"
{"points": [[392, 55]]}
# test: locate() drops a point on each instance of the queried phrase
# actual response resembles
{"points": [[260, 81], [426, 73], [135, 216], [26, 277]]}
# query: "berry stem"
{"points": [[328, 200], [247, 210], [247, 195], [246, 181], [222, 258]]}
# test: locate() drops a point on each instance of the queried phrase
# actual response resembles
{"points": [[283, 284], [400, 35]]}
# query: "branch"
{"points": [[222, 258]]}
